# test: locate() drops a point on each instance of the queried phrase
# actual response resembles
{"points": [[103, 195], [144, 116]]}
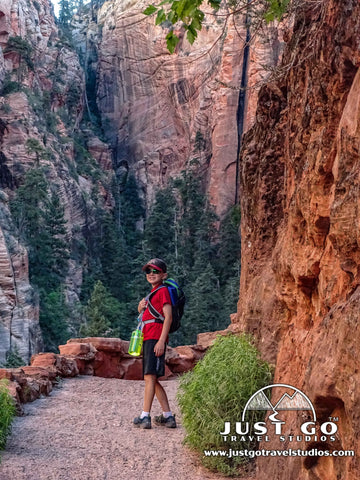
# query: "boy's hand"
{"points": [[159, 348], [142, 305]]}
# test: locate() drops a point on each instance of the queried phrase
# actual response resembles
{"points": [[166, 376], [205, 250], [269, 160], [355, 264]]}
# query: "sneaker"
{"points": [[169, 422], [142, 422]]}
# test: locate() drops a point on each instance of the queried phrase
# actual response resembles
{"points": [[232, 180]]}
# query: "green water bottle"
{"points": [[136, 340]]}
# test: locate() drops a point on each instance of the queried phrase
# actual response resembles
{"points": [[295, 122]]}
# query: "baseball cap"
{"points": [[156, 263]]}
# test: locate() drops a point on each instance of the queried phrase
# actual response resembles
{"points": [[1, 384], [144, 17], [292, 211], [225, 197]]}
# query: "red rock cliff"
{"points": [[299, 291], [165, 111]]}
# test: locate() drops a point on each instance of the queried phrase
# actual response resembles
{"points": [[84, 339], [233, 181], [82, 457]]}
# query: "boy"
{"points": [[154, 346]]}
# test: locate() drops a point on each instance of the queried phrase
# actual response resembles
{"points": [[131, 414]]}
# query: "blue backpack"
{"points": [[177, 297]]}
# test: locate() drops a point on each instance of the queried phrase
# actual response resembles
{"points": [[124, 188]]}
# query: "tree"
{"points": [[160, 227], [26, 206], [34, 146], [131, 213], [114, 258], [53, 319], [230, 293], [229, 244], [66, 10], [13, 359], [23, 48], [105, 315], [196, 225], [55, 229], [204, 303]]}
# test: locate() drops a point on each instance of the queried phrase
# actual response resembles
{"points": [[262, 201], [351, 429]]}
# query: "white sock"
{"points": [[167, 414], [144, 414]]}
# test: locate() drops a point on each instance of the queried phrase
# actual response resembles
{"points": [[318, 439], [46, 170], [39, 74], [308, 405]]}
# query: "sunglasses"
{"points": [[152, 270]]}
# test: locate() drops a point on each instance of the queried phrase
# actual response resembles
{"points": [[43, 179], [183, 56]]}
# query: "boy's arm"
{"points": [[160, 345]]}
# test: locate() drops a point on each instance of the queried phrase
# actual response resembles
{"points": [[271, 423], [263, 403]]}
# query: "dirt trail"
{"points": [[84, 431]]}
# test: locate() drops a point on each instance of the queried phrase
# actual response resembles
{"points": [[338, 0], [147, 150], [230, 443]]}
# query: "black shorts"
{"points": [[152, 365]]}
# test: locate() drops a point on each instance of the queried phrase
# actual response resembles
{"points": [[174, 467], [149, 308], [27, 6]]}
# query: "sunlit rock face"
{"points": [[299, 292], [165, 112]]}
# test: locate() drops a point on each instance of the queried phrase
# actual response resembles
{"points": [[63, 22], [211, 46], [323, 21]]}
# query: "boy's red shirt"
{"points": [[152, 331]]}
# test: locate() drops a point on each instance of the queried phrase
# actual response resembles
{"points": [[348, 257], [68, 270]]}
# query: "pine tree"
{"points": [[230, 293], [196, 232], [131, 213], [115, 259], [204, 303], [159, 232], [229, 245], [26, 206], [53, 319], [66, 10], [105, 314], [34, 146], [54, 252]]}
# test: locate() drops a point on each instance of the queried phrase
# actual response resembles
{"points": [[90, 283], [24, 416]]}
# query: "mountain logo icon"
{"points": [[291, 399]]}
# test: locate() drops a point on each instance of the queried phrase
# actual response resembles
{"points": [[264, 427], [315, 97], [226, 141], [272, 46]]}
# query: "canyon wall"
{"points": [[167, 112], [299, 292], [41, 103]]}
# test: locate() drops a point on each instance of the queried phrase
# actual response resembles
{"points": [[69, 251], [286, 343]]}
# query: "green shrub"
{"points": [[10, 86], [5, 108], [22, 47], [7, 412], [217, 391], [13, 359]]}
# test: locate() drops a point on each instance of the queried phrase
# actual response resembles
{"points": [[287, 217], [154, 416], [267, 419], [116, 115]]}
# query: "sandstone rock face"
{"points": [[205, 340], [164, 112], [19, 327], [299, 292], [35, 113]]}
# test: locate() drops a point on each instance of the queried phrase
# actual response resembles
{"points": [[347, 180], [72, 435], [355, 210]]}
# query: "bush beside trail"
{"points": [[216, 391], [7, 413]]}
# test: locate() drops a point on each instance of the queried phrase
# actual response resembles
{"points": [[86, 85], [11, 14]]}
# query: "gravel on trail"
{"points": [[84, 431]]}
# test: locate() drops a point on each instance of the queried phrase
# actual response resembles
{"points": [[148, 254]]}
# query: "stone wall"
{"points": [[102, 357], [299, 290]]}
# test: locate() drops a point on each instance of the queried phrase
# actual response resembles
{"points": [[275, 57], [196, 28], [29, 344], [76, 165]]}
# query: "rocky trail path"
{"points": [[84, 431]]}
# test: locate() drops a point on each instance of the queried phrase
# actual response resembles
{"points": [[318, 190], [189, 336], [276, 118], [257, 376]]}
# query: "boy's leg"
{"points": [[162, 397], [166, 419], [144, 420], [154, 367], [150, 382]]}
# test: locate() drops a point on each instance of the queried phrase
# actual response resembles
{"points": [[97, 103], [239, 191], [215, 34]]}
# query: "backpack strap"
{"points": [[158, 317]]}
